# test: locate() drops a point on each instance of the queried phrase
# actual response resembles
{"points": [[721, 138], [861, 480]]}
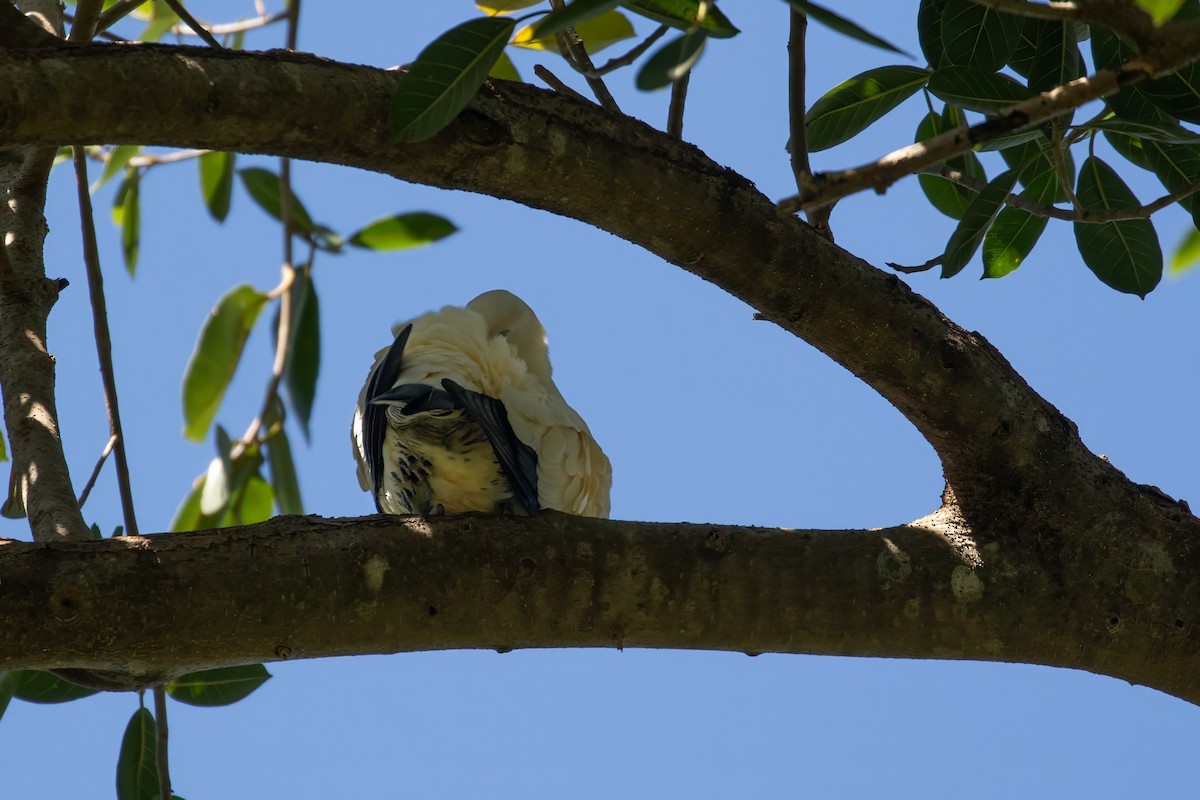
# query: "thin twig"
{"points": [[573, 50], [293, 27], [678, 98], [91, 259], [161, 760], [797, 127], [150, 159], [554, 83], [1065, 179], [87, 15], [1090, 217], [91, 481], [116, 12], [191, 22], [928, 265], [628, 58], [105, 35], [226, 28]]}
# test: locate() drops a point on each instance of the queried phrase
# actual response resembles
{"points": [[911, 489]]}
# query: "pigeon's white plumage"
{"points": [[461, 414]]}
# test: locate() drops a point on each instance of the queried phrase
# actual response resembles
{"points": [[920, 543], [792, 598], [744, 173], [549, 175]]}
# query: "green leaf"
{"points": [[1176, 165], [264, 188], [684, 14], [137, 773], [945, 195], [216, 182], [283, 473], [1178, 93], [1160, 10], [1165, 132], [253, 504], [218, 687], [848, 108], [977, 90], [974, 35], [844, 26], [401, 231], [1010, 140], [37, 686], [929, 32], [14, 503], [571, 15], [671, 61], [1187, 254], [216, 357], [446, 75], [1035, 158], [3, 448], [597, 33], [1056, 59], [304, 364], [218, 481], [188, 516], [1125, 255], [505, 6], [1110, 51], [1021, 60], [8, 682], [975, 222], [1014, 233], [504, 69], [127, 216], [116, 160]]}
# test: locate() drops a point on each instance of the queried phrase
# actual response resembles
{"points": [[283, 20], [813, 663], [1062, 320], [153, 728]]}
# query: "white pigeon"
{"points": [[460, 414]]}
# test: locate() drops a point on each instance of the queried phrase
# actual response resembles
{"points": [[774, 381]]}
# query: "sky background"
{"points": [[815, 448]]}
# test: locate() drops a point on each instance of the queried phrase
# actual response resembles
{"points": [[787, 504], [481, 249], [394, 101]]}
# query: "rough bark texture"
{"points": [[1068, 562]]}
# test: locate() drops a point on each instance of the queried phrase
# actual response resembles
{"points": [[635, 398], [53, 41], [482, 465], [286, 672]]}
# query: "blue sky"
{"points": [[646, 353]]}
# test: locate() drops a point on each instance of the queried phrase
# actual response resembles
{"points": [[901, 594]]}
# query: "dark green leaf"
{"points": [[283, 473], [1125, 255], [216, 357], [1110, 51], [127, 215], [1010, 140], [253, 503], [571, 15], [1015, 231], [304, 363], [848, 108], [218, 687], [975, 222], [974, 35], [929, 32], [36, 686], [137, 774], [446, 75], [264, 188], [945, 195], [1165, 132], [684, 14], [1035, 158], [1176, 165], [1057, 59], [1021, 61], [3, 448], [671, 61], [1178, 93], [216, 183], [117, 158], [844, 26], [401, 231], [977, 90], [8, 682]]}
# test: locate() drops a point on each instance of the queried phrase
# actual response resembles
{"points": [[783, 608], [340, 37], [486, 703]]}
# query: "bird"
{"points": [[460, 413]]}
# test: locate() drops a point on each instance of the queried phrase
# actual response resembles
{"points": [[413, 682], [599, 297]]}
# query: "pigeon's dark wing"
{"points": [[374, 416], [517, 459]]}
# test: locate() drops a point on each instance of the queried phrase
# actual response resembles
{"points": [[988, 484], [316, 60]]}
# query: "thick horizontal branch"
{"points": [[307, 587]]}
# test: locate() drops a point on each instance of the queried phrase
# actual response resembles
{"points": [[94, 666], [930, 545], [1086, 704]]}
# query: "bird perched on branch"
{"points": [[460, 414]]}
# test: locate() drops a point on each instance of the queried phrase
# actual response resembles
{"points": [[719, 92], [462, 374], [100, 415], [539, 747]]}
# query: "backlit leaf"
{"points": [[218, 687], [685, 15], [671, 61], [402, 231], [137, 773], [974, 35], [1126, 254], [118, 157], [504, 69], [1160, 10], [975, 222], [571, 15], [597, 33], [216, 182], [1015, 231], [446, 75], [3, 448], [848, 108], [844, 26], [1187, 254], [127, 214], [216, 357], [505, 6]]}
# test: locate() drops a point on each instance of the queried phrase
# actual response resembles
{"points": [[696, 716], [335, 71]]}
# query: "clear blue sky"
{"points": [[813, 448]]}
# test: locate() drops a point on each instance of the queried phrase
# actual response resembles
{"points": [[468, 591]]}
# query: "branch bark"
{"points": [[1082, 566]]}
